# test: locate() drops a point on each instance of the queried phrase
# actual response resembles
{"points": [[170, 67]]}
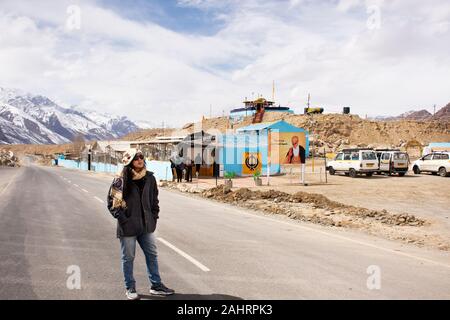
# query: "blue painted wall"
{"points": [[440, 144], [161, 169]]}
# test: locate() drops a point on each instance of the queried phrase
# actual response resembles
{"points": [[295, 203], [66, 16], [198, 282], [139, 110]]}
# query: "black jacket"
{"points": [[136, 220]]}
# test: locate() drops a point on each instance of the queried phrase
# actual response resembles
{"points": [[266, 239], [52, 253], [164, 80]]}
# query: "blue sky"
{"points": [[171, 60], [170, 14]]}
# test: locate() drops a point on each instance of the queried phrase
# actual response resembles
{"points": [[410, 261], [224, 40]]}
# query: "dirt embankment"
{"points": [[316, 208], [38, 149], [7, 158], [313, 200]]}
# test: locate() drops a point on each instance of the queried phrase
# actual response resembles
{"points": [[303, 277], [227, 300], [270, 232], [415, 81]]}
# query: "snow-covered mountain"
{"points": [[142, 124], [119, 125], [27, 118], [18, 127]]}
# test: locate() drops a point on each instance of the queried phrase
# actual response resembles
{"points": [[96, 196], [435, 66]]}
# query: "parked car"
{"points": [[353, 162], [392, 161], [436, 163]]}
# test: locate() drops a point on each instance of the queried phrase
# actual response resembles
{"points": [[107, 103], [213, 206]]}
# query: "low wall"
{"points": [[161, 169]]}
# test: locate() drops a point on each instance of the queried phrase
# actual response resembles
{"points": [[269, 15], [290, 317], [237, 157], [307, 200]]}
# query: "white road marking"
{"points": [[69, 181], [9, 183], [184, 255], [100, 200], [84, 190], [75, 185]]}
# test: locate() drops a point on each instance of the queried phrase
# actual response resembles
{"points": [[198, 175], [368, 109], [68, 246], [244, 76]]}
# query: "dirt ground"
{"points": [[424, 195], [413, 209]]}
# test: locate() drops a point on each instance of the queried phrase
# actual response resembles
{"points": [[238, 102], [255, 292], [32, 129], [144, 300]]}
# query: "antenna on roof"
{"points": [[309, 98], [273, 90]]}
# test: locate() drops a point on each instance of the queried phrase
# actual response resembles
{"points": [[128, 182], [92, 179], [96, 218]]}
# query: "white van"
{"points": [[392, 161], [353, 162], [436, 163]]}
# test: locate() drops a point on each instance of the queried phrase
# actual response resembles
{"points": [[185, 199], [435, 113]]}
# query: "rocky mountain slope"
{"points": [[28, 118]]}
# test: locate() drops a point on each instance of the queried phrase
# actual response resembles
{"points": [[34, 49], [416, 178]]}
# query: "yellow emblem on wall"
{"points": [[251, 162]]}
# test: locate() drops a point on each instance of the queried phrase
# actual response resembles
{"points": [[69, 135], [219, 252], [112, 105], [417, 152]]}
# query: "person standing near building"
{"points": [[180, 168], [198, 163], [172, 169], [188, 166], [177, 161], [133, 200]]}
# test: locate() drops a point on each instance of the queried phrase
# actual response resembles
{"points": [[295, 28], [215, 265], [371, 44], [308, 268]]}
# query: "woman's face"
{"points": [[138, 161]]}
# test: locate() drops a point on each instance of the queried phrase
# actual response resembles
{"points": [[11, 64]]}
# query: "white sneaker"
{"points": [[132, 294]]}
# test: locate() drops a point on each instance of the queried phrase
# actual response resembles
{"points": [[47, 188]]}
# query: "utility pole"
{"points": [[210, 111], [163, 128], [312, 122], [434, 110], [273, 91], [313, 141]]}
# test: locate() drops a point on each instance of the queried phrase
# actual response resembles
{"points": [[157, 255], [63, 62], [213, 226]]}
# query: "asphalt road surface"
{"points": [[54, 223]]}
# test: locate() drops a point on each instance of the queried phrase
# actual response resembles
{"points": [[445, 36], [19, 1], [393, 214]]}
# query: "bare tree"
{"points": [[78, 145]]}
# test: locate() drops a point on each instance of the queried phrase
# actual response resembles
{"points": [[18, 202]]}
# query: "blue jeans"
{"points": [[148, 245]]}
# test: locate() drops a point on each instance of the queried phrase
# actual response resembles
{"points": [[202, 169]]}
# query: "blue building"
{"points": [[436, 147], [255, 147]]}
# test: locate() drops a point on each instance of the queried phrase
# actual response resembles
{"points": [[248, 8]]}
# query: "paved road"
{"points": [[53, 218]]}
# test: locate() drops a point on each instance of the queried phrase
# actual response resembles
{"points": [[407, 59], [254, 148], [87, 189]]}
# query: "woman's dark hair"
{"points": [[128, 179]]}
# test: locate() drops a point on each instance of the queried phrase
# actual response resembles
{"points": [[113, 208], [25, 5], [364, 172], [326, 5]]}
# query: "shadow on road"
{"points": [[182, 296]]}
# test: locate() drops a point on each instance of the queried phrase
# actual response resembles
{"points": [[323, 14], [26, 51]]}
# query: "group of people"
{"points": [[180, 165]]}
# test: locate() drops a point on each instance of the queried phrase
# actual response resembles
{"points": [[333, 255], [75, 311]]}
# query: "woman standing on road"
{"points": [[133, 201]]}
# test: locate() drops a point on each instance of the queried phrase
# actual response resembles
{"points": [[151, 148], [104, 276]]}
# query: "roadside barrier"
{"points": [[161, 169]]}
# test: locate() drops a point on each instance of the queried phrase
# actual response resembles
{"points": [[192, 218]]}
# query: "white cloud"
{"points": [[148, 72], [346, 5]]}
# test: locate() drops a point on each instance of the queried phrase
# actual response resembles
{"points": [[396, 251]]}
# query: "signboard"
{"points": [[251, 162], [287, 147]]}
